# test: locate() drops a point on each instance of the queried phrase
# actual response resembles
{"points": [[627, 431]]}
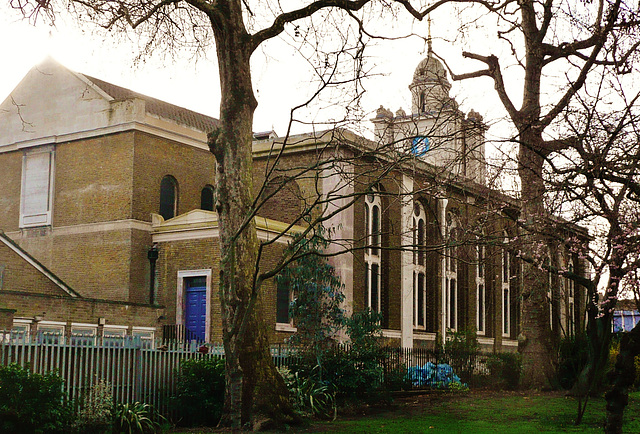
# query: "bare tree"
{"points": [[543, 39], [254, 388]]}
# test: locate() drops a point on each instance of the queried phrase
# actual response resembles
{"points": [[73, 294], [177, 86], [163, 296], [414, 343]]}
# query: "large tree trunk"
{"points": [[623, 377], [255, 390], [536, 343]]}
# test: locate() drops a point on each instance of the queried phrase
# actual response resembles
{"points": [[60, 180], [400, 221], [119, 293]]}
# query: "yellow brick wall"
{"points": [[156, 157], [11, 175]]}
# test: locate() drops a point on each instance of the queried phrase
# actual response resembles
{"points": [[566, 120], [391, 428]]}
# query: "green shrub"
{"points": [[357, 370], [136, 418], [506, 367], [200, 392], [462, 349], [32, 403], [96, 413], [310, 396]]}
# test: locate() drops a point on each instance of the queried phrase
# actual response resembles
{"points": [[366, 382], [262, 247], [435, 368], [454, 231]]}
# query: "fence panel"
{"points": [[137, 371]]}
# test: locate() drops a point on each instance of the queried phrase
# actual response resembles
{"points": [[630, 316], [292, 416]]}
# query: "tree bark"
{"points": [[623, 377], [536, 344], [255, 390]]}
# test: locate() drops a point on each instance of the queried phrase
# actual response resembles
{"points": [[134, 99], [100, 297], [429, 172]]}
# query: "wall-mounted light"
{"points": [[152, 255]]}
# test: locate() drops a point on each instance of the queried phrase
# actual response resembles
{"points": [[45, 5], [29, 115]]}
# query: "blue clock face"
{"points": [[420, 146]]}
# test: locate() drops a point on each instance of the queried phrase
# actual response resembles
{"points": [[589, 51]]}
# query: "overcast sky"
{"points": [[281, 79]]}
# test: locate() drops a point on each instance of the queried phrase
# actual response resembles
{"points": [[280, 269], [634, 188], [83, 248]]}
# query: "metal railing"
{"points": [[143, 371]]}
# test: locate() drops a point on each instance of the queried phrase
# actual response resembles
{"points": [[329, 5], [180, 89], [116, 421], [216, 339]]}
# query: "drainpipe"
{"points": [[443, 201], [152, 255]]}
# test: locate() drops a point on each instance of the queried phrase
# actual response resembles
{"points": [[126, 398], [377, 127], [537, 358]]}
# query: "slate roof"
{"points": [[160, 108]]}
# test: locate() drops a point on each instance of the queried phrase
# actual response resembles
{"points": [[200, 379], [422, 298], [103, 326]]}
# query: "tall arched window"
{"points": [[419, 266], [550, 291], [481, 289], [451, 273], [206, 198], [506, 289], [571, 293], [372, 255], [168, 197]]}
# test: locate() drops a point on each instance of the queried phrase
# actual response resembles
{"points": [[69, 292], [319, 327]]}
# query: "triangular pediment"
{"points": [[196, 218], [50, 101]]}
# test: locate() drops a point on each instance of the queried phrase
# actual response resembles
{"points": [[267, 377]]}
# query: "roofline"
{"points": [[37, 265]]}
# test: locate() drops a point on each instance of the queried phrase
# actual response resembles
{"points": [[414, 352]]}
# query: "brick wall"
{"points": [[93, 180], [156, 157], [79, 310], [204, 254], [11, 163], [19, 275]]}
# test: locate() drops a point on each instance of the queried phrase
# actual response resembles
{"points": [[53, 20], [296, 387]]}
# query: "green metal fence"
{"points": [[144, 371]]}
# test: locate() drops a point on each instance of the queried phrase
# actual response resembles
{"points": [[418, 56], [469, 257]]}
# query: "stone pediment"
{"points": [[204, 224], [51, 101]]}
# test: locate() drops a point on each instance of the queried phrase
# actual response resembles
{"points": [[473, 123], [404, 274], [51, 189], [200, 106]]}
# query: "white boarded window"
{"points": [[37, 187]]}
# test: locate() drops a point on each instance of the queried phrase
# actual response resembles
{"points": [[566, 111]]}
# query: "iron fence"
{"points": [[143, 371]]}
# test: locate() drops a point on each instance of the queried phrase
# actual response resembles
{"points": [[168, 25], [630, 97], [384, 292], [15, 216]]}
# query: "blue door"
{"points": [[195, 307]]}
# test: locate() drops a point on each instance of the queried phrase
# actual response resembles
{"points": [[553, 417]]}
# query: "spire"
{"points": [[429, 47]]}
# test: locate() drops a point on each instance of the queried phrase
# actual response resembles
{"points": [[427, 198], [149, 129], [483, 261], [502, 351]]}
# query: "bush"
{"points": [[310, 396], [357, 370], [96, 414], [32, 403], [136, 418], [200, 392], [507, 367], [462, 349]]}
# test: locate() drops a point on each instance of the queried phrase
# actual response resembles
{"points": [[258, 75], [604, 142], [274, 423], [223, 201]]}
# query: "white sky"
{"points": [[280, 82]]}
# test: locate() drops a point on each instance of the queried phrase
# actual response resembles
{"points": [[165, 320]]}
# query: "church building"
{"points": [[108, 225]]}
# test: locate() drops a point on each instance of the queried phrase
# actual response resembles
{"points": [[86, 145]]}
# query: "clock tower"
{"points": [[436, 132]]}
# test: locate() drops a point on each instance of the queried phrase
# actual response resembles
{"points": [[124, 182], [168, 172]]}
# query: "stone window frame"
{"points": [[208, 190], [481, 286], [147, 336], [83, 334], [52, 332], [571, 293], [168, 184], [285, 326], [505, 294], [44, 217], [419, 265], [373, 250], [181, 293], [21, 330], [451, 288]]}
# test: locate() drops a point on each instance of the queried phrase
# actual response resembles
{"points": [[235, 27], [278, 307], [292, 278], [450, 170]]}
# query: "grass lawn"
{"points": [[484, 412], [474, 412]]}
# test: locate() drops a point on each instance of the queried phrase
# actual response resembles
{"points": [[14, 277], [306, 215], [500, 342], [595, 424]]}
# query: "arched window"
{"points": [[423, 102], [372, 256], [206, 198], [168, 197], [451, 273], [506, 288], [419, 266], [481, 289], [550, 291], [571, 293]]}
